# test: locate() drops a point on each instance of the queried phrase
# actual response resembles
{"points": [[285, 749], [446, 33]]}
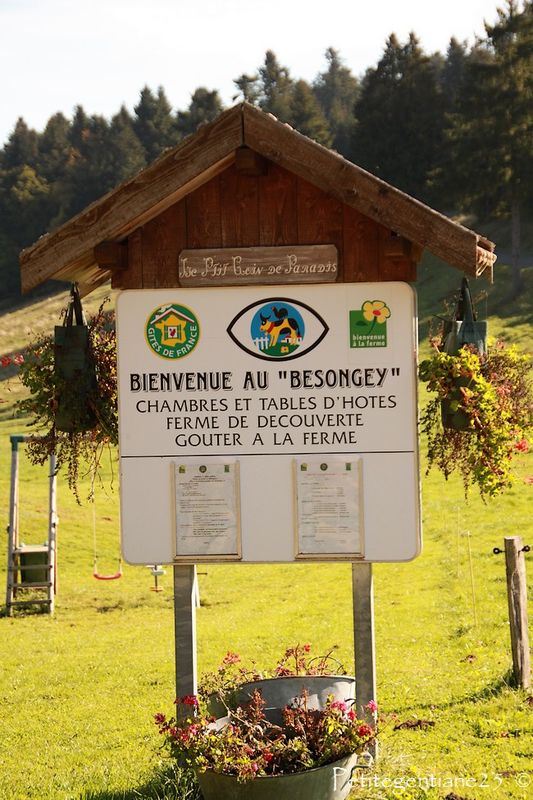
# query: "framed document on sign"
{"points": [[207, 511], [329, 519]]}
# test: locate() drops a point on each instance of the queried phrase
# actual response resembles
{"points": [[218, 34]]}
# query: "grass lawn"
{"points": [[78, 691]]}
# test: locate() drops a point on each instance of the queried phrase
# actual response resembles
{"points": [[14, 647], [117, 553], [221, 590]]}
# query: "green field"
{"points": [[78, 691]]}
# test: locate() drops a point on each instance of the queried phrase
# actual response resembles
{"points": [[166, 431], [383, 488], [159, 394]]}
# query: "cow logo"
{"points": [[368, 327], [277, 331], [172, 331], [277, 328]]}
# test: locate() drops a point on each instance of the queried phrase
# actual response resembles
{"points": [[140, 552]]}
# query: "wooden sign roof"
{"points": [[68, 253]]}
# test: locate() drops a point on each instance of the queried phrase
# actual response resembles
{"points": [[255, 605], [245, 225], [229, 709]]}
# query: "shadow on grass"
{"points": [[167, 784], [498, 686], [35, 610]]}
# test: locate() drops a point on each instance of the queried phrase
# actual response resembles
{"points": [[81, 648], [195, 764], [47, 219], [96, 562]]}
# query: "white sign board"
{"points": [[266, 378]]}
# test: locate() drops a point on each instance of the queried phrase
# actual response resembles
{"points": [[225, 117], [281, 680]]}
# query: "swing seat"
{"points": [[97, 575], [113, 577]]}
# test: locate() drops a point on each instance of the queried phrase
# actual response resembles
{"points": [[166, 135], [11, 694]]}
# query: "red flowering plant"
{"points": [[297, 660], [232, 673], [249, 743], [16, 360], [228, 676], [489, 400]]}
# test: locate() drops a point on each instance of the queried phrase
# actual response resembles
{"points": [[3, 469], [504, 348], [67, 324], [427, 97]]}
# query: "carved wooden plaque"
{"points": [[315, 263]]}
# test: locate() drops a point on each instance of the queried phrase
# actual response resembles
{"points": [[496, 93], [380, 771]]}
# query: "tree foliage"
{"points": [[453, 129], [491, 132], [154, 124], [337, 91], [307, 116], [275, 88], [398, 132], [204, 107]]}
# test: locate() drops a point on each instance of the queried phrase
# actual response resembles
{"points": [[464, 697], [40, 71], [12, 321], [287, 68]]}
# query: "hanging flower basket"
{"points": [[481, 414], [453, 416], [463, 329], [72, 383], [75, 371]]}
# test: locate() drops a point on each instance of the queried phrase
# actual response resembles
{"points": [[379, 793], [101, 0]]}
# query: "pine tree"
{"points": [[23, 201], [275, 88], [204, 107], [89, 168], [154, 123], [126, 153], [21, 147], [53, 163], [307, 116], [248, 88], [491, 135], [453, 72], [78, 129], [54, 148], [28, 210], [337, 91], [399, 117], [23, 218]]}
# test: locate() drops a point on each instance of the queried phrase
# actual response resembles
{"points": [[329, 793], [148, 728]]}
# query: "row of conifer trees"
{"points": [[454, 130]]}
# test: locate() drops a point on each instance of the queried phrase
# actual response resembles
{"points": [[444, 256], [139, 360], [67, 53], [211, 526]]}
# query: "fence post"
{"points": [[515, 564]]}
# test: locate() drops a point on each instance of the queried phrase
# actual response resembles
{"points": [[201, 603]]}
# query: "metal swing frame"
{"points": [[29, 566]]}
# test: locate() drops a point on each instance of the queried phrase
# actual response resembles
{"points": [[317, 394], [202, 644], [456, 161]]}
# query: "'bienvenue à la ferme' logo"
{"points": [[172, 331], [368, 327]]}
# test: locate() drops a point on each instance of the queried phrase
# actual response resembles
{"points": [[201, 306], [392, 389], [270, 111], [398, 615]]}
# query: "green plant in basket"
{"points": [[75, 415], [481, 415]]}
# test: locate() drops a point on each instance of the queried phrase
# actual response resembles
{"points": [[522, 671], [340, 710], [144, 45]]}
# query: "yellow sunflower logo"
{"points": [[375, 311], [368, 327]]}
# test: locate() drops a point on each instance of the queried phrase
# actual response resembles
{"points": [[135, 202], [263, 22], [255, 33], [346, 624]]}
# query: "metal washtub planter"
{"points": [[329, 782], [283, 691]]}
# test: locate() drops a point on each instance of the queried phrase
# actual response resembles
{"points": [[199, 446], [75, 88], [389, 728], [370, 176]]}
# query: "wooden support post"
{"points": [[52, 532], [12, 530], [185, 630], [363, 626], [517, 597]]}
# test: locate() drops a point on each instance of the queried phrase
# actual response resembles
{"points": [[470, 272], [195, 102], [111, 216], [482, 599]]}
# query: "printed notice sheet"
{"points": [[329, 508], [207, 510]]}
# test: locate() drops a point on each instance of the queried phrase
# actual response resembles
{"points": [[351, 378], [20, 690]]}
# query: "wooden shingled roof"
{"points": [[68, 252]]}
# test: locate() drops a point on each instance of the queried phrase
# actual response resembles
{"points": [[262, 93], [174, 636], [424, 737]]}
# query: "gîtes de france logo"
{"points": [[277, 328], [172, 331], [368, 327]]}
